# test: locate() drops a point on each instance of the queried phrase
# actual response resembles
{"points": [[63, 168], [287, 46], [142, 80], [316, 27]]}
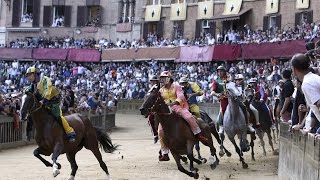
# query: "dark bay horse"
{"points": [[178, 136], [52, 139]]}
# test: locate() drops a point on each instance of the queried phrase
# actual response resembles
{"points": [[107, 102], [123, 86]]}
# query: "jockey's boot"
{"points": [[220, 130], [202, 139], [251, 129], [71, 136], [164, 157], [155, 139]]}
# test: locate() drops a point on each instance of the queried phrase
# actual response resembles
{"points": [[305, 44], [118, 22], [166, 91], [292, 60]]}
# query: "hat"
{"points": [[221, 68], [239, 76], [165, 74], [154, 78], [183, 80], [253, 80]]}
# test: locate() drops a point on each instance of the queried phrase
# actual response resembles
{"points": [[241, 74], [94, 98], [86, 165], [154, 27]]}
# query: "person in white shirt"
{"points": [[310, 82]]}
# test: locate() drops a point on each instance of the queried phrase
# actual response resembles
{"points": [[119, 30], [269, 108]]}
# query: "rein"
{"points": [[155, 103], [34, 106]]}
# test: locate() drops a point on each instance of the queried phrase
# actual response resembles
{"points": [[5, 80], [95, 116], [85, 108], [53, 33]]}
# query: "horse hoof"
{"points": [[213, 166], [203, 160], [229, 154], [184, 159], [264, 153], [71, 178], [221, 153], [195, 175], [194, 170], [59, 165], [253, 159], [244, 165], [56, 172], [109, 177]]}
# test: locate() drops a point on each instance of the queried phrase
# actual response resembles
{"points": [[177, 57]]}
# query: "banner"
{"points": [[84, 55], [272, 6], [164, 53], [14, 53], [50, 54], [232, 7], [178, 12], [264, 51], [124, 27], [226, 52], [303, 4], [205, 10], [196, 54], [153, 13]]}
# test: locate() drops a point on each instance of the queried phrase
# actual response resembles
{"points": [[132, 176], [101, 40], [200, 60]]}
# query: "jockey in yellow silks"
{"points": [[191, 91], [43, 89], [173, 96]]}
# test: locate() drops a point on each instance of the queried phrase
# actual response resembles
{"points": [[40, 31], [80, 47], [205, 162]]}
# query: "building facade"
{"points": [[135, 19]]}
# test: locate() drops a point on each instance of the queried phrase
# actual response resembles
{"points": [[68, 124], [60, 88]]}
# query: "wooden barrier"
{"points": [[132, 107], [10, 137], [299, 155]]}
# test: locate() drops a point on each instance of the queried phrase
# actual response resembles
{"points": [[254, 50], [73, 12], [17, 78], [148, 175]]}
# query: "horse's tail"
{"points": [[105, 141]]}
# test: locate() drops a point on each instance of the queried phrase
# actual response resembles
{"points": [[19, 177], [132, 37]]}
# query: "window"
{"points": [[177, 1], [205, 24], [27, 11], [273, 21], [58, 16], [154, 2], [89, 16], [127, 12], [178, 27]]}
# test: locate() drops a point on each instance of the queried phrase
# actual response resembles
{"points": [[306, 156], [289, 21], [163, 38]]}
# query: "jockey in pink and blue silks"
{"points": [[172, 94]]}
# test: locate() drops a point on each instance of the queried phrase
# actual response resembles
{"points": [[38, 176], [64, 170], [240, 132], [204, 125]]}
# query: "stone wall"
{"points": [[299, 155]]}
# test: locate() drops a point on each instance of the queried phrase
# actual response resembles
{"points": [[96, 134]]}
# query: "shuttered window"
{"points": [[67, 16], [47, 16], [212, 28], [145, 31], [265, 23], [82, 16], [16, 13], [160, 29], [58, 2], [198, 28], [36, 13], [278, 21], [93, 2]]}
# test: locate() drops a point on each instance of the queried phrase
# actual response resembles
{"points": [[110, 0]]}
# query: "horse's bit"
{"points": [[34, 108]]}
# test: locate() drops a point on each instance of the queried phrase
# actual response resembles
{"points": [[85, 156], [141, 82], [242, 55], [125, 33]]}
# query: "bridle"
{"points": [[34, 106], [151, 109]]}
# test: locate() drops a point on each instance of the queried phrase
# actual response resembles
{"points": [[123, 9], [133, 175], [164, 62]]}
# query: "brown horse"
{"points": [[178, 135], [52, 139]]}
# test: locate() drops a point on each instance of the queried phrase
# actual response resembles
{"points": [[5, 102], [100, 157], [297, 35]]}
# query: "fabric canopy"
{"points": [[232, 16], [11, 53], [196, 54], [266, 50], [225, 52], [84, 55], [165, 53], [50, 54]]}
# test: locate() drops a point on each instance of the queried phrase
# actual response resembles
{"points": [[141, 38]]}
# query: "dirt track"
{"points": [[135, 159]]}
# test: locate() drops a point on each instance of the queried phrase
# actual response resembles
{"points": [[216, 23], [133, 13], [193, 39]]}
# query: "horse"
{"points": [[178, 136], [234, 122], [206, 118], [264, 118], [52, 139]]}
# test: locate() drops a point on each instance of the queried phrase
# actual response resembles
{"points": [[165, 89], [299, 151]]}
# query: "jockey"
{"points": [[260, 95], [191, 91], [154, 80], [44, 90], [174, 98], [218, 87], [239, 80]]}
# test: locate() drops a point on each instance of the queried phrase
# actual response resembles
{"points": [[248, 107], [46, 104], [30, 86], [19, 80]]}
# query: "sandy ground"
{"points": [[136, 158]]}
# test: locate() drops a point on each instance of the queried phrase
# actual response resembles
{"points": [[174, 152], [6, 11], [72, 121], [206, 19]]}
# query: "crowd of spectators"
{"points": [[246, 35]]}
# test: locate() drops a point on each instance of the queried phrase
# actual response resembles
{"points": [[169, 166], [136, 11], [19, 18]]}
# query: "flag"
{"points": [[205, 10], [272, 6], [153, 13], [232, 7], [302, 4], [178, 12]]}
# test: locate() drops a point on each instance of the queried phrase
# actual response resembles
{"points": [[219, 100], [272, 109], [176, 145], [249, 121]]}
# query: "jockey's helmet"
{"points": [[31, 70], [165, 76], [221, 68], [154, 78], [239, 77], [183, 80], [253, 80]]}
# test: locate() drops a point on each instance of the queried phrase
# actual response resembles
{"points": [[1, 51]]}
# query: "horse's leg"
{"points": [[197, 146], [97, 154], [181, 168], [56, 153], [252, 145], [270, 140], [220, 140], [37, 153], [74, 167], [244, 164], [261, 134], [213, 159]]}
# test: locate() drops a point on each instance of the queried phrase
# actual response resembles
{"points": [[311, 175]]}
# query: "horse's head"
{"points": [[152, 101], [29, 104], [232, 91], [249, 93]]}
